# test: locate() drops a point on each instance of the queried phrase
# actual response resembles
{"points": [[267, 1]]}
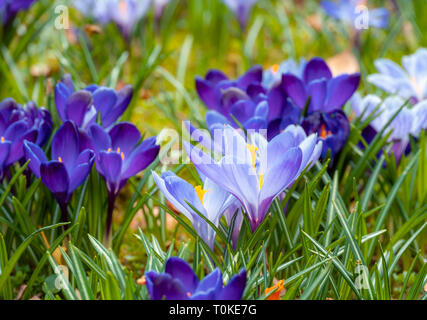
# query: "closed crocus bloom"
{"points": [[241, 9], [356, 14], [209, 200], [409, 121], [409, 82], [69, 167], [120, 156], [320, 97], [10, 8], [82, 106], [179, 282], [159, 7], [257, 171]]}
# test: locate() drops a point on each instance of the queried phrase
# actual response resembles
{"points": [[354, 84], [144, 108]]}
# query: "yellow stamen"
{"points": [[60, 159], [275, 68], [108, 150], [276, 295], [252, 149], [200, 192], [2, 140], [122, 155], [118, 150], [261, 179]]}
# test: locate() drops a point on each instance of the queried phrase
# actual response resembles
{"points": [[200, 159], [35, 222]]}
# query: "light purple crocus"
{"points": [[409, 82], [241, 9], [257, 171], [409, 121], [159, 7], [356, 14], [10, 8], [210, 200], [120, 156], [83, 106], [70, 165]]}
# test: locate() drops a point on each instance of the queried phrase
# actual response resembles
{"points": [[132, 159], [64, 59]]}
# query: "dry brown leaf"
{"points": [[344, 62]]}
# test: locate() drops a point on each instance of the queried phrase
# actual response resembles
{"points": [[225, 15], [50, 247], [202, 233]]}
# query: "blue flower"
{"points": [[179, 282], [10, 8]]}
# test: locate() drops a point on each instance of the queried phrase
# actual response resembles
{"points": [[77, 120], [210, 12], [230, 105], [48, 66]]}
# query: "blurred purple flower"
{"points": [[10, 8], [241, 9], [70, 165], [179, 282], [352, 12], [159, 7], [210, 200], [83, 106], [258, 171], [119, 156], [409, 121], [18, 124], [409, 82]]}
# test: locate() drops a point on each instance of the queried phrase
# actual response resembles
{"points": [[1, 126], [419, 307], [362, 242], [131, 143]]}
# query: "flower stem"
{"points": [[109, 223], [64, 215]]}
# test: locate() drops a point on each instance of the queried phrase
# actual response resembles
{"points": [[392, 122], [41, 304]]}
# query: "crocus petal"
{"points": [[340, 90], [317, 92], [235, 288], [55, 178], [253, 75], [181, 271], [295, 90], [124, 97], [78, 104], [316, 69], [100, 138], [125, 136], [111, 166], [81, 171], [4, 153], [163, 286], [140, 158], [210, 285], [62, 94], [104, 100], [65, 145], [36, 156], [16, 151], [215, 76], [207, 93]]}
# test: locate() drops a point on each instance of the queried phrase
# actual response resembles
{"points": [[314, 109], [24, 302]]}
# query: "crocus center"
{"points": [[252, 149], [275, 68], [200, 192], [2, 139], [323, 133], [122, 155], [60, 159]]}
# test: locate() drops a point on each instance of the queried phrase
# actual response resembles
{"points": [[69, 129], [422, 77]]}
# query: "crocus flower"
{"points": [[69, 167], [159, 7], [124, 13], [210, 200], [409, 82], [320, 98], [241, 9], [273, 75], [179, 282], [10, 8], [18, 124], [257, 171], [82, 106], [351, 11], [409, 121], [119, 156]]}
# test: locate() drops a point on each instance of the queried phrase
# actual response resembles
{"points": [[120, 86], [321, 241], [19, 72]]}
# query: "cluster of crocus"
{"points": [[17, 124], [409, 121], [10, 8], [305, 94], [256, 171], [356, 14], [179, 282], [124, 13], [241, 9]]}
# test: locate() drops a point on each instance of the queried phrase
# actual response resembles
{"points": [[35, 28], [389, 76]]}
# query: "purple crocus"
{"points": [[10, 8], [241, 9], [210, 200], [159, 8], [70, 165], [179, 282], [320, 97], [409, 82], [124, 13], [409, 121], [18, 124], [356, 14], [257, 171], [83, 106], [119, 156]]}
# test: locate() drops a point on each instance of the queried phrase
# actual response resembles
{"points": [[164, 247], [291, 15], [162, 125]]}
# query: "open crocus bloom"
{"points": [[118, 154], [70, 164], [242, 10], [10, 8], [409, 82], [257, 171], [409, 121], [210, 200], [18, 124], [82, 106], [179, 282], [351, 11]]}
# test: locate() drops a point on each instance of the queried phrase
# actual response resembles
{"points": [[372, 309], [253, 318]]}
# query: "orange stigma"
{"points": [[200, 192], [60, 159], [2, 140], [279, 286], [122, 156], [108, 150], [275, 68], [323, 133]]}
